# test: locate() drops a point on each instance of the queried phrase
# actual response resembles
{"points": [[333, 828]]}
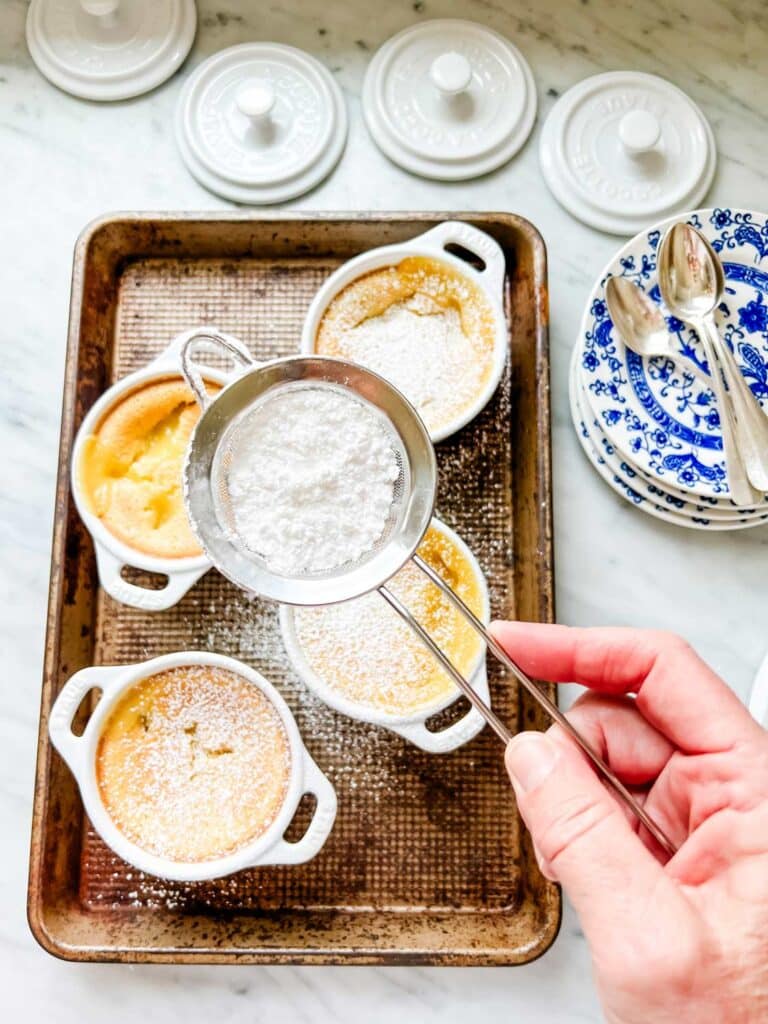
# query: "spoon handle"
{"points": [[742, 491], [751, 422]]}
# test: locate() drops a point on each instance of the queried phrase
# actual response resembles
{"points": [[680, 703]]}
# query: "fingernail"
{"points": [[530, 758], [544, 867]]}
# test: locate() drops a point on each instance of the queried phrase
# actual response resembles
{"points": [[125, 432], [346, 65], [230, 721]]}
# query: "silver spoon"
{"points": [[751, 421], [689, 289], [641, 324], [694, 272]]}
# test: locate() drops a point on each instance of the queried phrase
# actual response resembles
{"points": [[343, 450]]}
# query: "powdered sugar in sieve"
{"points": [[310, 476]]}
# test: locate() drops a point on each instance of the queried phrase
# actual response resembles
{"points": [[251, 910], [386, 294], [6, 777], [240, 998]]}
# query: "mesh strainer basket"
{"points": [[210, 452], [207, 501]]}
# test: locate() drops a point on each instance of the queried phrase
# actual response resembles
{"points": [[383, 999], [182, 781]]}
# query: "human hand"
{"points": [[681, 940]]}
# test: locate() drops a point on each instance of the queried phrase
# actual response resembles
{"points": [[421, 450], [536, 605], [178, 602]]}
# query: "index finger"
{"points": [[676, 691]]}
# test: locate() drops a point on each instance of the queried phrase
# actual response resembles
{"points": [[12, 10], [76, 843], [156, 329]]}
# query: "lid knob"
{"points": [[256, 99], [100, 8], [451, 73], [639, 131]]}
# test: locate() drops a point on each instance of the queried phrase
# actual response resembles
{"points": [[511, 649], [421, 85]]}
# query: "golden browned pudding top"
{"points": [[131, 466], [424, 326], [193, 763], [363, 651]]}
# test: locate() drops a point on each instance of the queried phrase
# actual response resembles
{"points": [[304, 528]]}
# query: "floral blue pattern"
{"points": [[660, 414], [625, 479], [754, 316], [748, 229]]}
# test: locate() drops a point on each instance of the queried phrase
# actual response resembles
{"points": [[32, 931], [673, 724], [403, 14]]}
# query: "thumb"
{"points": [[584, 839]]}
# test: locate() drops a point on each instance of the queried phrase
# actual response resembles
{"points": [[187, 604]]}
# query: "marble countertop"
{"points": [[63, 162]]}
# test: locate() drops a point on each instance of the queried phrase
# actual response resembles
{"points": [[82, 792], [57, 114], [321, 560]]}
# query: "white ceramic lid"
{"points": [[261, 123], [109, 49], [449, 99], [624, 149]]}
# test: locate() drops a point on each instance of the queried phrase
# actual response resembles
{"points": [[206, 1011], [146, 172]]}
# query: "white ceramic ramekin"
{"points": [[432, 244], [79, 752], [112, 555], [411, 727]]}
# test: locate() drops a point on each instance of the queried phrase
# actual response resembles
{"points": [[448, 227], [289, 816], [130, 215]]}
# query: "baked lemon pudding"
{"points": [[421, 324], [130, 469], [193, 763], [363, 651]]}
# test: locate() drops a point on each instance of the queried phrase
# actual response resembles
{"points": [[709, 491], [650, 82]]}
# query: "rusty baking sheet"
{"points": [[428, 862]]}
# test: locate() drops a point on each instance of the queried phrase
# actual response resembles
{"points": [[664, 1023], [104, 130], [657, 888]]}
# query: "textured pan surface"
{"points": [[428, 861]]}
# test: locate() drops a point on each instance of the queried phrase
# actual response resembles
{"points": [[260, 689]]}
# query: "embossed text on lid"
{"points": [[622, 149]]}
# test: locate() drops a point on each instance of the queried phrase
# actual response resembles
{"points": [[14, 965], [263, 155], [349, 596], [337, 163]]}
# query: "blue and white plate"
{"points": [[657, 493], [622, 477], [660, 416]]}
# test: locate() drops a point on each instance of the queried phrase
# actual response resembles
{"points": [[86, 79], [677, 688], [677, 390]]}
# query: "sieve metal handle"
{"points": [[466, 688], [191, 370], [490, 716]]}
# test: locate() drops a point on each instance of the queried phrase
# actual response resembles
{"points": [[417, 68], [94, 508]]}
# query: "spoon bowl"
{"points": [[638, 319], [642, 326], [714, 260], [690, 275]]}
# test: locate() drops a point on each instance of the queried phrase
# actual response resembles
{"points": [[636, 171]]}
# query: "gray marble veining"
{"points": [[63, 162]]}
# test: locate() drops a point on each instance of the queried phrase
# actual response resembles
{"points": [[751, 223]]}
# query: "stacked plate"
{"points": [[650, 427]]}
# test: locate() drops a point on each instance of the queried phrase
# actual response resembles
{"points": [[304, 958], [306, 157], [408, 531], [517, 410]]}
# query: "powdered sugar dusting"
{"points": [[193, 763], [423, 326], [311, 479], [363, 650], [423, 352]]}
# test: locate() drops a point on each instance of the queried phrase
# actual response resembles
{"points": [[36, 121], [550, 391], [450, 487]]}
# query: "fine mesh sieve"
{"points": [[205, 472], [320, 378], [208, 507]]}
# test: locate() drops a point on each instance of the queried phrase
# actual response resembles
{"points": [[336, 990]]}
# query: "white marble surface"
{"points": [[63, 162]]}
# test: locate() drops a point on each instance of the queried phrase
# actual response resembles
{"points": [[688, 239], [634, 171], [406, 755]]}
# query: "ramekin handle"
{"points": [[71, 747], [456, 735], [111, 580], [479, 243], [283, 852], [191, 371]]}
